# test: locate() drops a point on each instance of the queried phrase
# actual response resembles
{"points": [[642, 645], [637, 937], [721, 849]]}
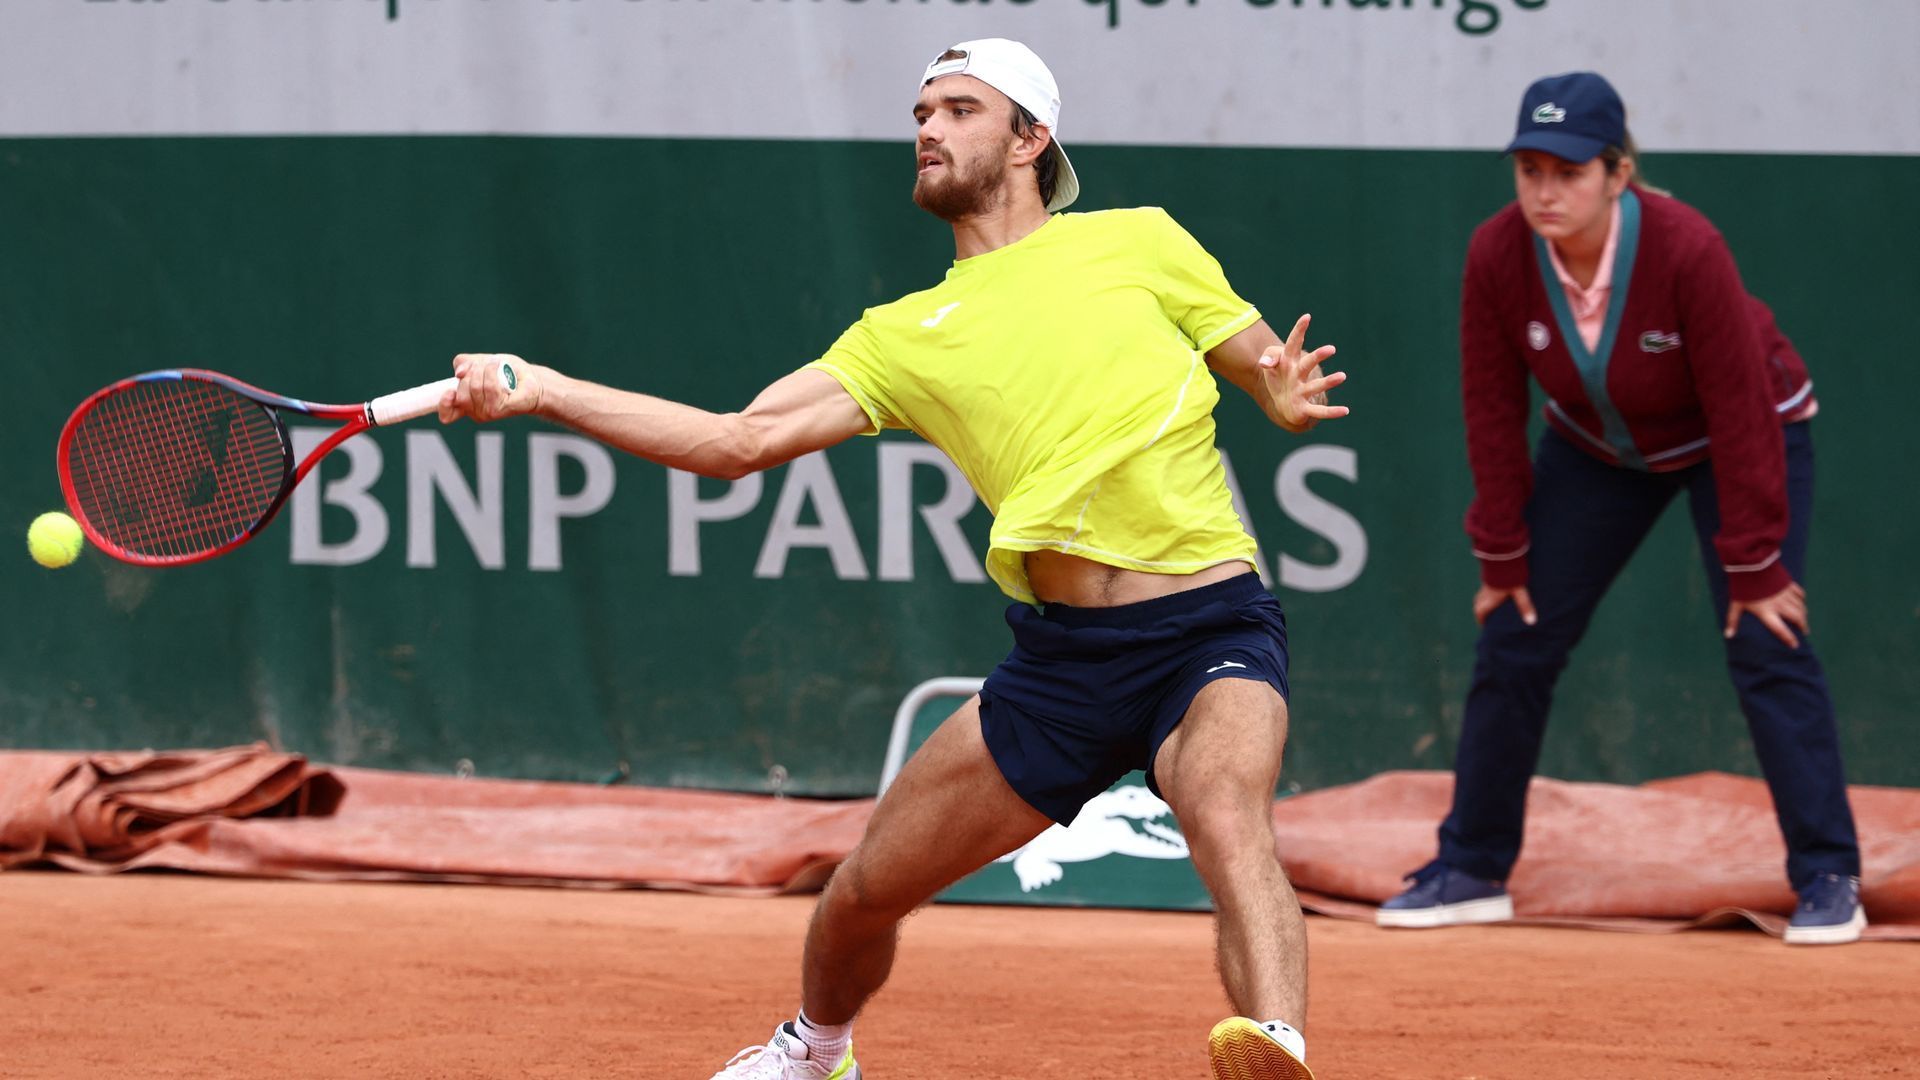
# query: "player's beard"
{"points": [[957, 190]]}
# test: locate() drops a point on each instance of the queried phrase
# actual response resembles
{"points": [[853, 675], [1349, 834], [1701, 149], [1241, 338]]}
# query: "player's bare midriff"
{"points": [[1059, 578]]}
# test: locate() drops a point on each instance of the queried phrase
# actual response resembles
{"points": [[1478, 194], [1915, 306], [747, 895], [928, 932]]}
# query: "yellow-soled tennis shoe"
{"points": [[785, 1057], [1242, 1050]]}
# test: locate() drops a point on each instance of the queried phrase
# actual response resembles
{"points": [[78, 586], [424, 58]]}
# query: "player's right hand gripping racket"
{"points": [[174, 467]]}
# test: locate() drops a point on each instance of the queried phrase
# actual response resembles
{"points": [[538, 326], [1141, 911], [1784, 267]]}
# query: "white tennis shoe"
{"points": [[1240, 1049], [785, 1057]]}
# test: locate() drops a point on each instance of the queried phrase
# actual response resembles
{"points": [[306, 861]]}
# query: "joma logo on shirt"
{"points": [[934, 321], [1660, 341]]}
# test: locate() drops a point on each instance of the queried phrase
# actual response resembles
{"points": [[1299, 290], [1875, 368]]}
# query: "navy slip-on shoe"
{"points": [[1439, 895]]}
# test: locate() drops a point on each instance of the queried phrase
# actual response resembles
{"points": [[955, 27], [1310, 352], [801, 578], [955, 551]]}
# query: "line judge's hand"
{"points": [[1788, 606], [488, 392], [1292, 379], [1489, 599]]}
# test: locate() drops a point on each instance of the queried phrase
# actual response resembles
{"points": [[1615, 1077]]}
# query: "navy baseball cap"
{"points": [[1572, 116]]}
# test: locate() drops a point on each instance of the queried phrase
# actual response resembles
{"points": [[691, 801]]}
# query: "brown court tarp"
{"points": [[1692, 851], [196, 811], [1700, 850]]}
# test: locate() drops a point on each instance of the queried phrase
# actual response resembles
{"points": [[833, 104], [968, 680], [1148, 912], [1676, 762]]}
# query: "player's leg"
{"points": [[1585, 520], [1783, 693], [1218, 770], [948, 813]]}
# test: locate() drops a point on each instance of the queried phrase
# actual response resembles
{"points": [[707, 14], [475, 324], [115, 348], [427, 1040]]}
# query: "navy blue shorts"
{"points": [[1088, 694]]}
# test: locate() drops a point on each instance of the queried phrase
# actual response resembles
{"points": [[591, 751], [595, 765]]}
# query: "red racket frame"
{"points": [[358, 418]]}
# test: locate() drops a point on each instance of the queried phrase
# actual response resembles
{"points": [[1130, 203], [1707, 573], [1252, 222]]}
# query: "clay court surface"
{"points": [[167, 975]]}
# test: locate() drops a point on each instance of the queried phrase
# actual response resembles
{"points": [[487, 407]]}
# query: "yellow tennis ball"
{"points": [[55, 540]]}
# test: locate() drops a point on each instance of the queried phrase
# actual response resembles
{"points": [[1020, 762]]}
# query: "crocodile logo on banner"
{"points": [[1128, 820]]}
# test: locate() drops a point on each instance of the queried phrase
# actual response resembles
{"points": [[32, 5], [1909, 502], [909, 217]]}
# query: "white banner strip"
{"points": [[1719, 75]]}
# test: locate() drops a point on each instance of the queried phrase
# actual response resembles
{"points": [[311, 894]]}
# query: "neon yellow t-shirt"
{"points": [[1065, 375]]}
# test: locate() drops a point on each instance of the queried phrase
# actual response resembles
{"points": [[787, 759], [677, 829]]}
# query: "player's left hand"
{"points": [[1775, 612], [1294, 383]]}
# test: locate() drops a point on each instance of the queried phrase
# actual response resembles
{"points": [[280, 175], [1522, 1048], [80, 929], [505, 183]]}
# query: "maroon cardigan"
{"points": [[1690, 368]]}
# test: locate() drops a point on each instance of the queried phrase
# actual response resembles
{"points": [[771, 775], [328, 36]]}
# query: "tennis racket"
{"points": [[179, 466]]}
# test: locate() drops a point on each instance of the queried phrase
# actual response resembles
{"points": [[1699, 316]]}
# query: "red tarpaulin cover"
{"points": [[1690, 851]]}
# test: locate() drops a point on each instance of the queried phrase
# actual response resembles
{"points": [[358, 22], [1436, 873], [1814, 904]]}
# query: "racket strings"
{"points": [[176, 467]]}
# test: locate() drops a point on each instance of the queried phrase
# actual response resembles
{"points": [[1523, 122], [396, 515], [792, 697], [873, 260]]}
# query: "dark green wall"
{"points": [[334, 268]]}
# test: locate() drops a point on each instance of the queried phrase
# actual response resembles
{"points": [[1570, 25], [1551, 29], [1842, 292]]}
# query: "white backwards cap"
{"points": [[1015, 71]]}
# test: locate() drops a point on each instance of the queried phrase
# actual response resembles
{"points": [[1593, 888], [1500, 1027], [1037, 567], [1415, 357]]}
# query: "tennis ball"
{"points": [[55, 540]]}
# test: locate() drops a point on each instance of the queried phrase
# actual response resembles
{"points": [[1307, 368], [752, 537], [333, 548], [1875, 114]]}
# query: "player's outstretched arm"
{"points": [[800, 413], [1281, 375]]}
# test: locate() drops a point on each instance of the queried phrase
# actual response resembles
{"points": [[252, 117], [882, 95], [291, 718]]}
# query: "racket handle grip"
{"points": [[407, 404]]}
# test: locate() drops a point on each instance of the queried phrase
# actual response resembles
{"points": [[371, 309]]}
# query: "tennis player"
{"points": [[1663, 378], [1066, 364]]}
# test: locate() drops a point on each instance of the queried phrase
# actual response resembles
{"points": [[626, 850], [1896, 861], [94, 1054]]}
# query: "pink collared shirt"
{"points": [[1590, 304]]}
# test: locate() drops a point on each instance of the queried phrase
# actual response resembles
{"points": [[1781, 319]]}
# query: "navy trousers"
{"points": [[1586, 518]]}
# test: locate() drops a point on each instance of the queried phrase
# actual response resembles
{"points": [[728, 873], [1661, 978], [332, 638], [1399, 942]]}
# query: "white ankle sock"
{"points": [[827, 1043], [1295, 1042]]}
